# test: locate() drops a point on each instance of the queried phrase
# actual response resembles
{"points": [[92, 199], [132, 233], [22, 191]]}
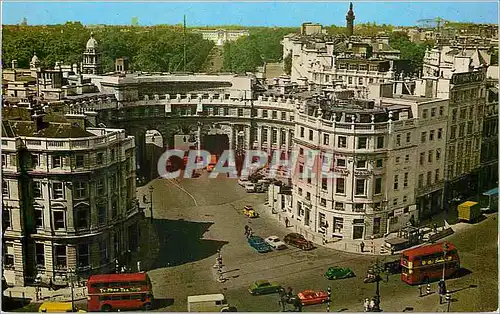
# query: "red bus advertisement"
{"points": [[426, 263], [112, 292]]}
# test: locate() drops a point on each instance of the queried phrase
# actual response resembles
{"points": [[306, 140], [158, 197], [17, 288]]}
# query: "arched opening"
{"points": [[215, 144]]}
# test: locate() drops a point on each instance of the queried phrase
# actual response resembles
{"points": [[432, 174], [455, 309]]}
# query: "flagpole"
{"points": [[184, 33]]}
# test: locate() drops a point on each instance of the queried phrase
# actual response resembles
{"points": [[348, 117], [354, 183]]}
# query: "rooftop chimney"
{"points": [[14, 64]]}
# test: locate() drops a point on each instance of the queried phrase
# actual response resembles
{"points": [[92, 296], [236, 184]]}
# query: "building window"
{"points": [[322, 202], [360, 187], [57, 190], [103, 252], [422, 158], [454, 114], [395, 202], [440, 133], [398, 140], [362, 142], [431, 135], [56, 161], [35, 161], [438, 154], [360, 81], [82, 218], [461, 130], [100, 187], [341, 163], [378, 186], [359, 207], [397, 160], [408, 137], [436, 175], [420, 180], [6, 218], [301, 132], [380, 142], [283, 115], [469, 127], [274, 136], [37, 189], [5, 189], [311, 134], [342, 142], [80, 189], [60, 252], [324, 183], [424, 113], [326, 139], [433, 112], [349, 80], [79, 161], [429, 178], [38, 217], [339, 206], [405, 199], [113, 154], [101, 214], [8, 262], [338, 224], [405, 180], [407, 158], [100, 158], [308, 196], [361, 164], [396, 182], [40, 255], [441, 110], [4, 160], [59, 219], [340, 186], [300, 191], [240, 112], [423, 135], [83, 255]]}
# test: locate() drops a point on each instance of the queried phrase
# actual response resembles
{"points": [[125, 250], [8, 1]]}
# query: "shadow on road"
{"points": [[181, 242], [461, 273], [162, 303]]}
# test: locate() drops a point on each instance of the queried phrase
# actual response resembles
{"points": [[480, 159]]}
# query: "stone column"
{"points": [[259, 137], [249, 139], [231, 137], [269, 142], [278, 138]]}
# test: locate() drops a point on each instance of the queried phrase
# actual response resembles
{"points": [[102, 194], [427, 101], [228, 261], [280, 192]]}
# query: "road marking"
{"points": [[173, 181]]}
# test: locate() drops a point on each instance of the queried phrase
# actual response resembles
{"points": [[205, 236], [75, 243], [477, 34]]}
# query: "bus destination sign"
{"points": [[113, 290], [465, 78]]}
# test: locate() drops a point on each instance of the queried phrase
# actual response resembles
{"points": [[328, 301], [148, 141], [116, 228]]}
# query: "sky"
{"points": [[244, 13]]}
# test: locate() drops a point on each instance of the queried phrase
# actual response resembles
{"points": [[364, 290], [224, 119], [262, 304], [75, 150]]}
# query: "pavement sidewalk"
{"points": [[60, 295]]}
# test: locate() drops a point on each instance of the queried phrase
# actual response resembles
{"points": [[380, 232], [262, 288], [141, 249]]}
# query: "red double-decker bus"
{"points": [[111, 292], [426, 263]]}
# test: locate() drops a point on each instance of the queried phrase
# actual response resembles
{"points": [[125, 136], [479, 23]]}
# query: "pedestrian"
{"points": [[247, 228], [290, 293], [442, 290], [367, 305], [286, 222], [372, 305], [362, 246], [435, 227]]}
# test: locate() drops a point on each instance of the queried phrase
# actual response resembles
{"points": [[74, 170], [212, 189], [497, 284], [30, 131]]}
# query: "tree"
{"points": [[409, 51], [288, 64]]}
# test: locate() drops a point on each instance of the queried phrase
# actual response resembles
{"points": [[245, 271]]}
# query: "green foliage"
{"points": [[409, 51], [249, 52], [158, 48], [336, 30], [371, 29], [288, 64]]}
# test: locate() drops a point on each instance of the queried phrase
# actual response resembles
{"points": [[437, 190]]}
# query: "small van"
{"points": [[58, 307], [208, 303]]}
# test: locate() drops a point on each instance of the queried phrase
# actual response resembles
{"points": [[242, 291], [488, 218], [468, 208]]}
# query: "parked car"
{"points": [[337, 272], [393, 267], [310, 297], [264, 287], [250, 188], [298, 240], [259, 244], [250, 212], [276, 243], [243, 182]]}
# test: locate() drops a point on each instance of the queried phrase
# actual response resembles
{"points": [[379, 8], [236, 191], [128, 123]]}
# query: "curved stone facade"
{"points": [[70, 204]]}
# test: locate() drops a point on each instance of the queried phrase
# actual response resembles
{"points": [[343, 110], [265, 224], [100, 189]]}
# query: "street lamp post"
{"points": [[378, 270], [151, 188], [445, 251], [71, 273]]}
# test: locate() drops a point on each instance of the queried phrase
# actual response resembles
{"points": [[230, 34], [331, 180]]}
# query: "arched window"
{"points": [[82, 216]]}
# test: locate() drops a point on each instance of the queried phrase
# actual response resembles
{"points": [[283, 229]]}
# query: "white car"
{"points": [[276, 243], [250, 188]]}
